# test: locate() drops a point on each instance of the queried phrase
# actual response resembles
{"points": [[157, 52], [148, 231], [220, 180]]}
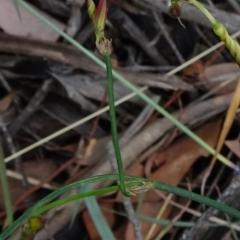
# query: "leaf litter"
{"points": [[155, 149]]}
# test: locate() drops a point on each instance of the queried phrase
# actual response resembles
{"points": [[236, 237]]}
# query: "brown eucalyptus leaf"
{"points": [[38, 169], [28, 25], [234, 146]]}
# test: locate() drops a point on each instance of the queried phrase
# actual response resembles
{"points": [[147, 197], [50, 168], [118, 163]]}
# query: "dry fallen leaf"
{"points": [[38, 169], [177, 159], [234, 146], [181, 155], [29, 25]]}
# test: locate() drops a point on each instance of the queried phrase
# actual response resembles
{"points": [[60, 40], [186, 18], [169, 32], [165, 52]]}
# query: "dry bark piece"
{"points": [[91, 86], [66, 112], [54, 6], [148, 209], [69, 55], [123, 22]]}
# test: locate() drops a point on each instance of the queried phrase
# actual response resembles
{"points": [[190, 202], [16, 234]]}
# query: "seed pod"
{"points": [[230, 43], [31, 227], [175, 10]]}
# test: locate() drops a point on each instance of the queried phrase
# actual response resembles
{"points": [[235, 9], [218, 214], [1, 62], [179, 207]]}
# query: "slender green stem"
{"points": [[83, 195], [5, 188], [203, 10], [220, 30], [75, 197], [198, 198], [112, 111]]}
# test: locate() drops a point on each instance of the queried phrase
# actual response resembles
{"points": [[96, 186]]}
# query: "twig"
{"points": [[11, 146], [163, 208], [74, 22], [229, 197], [168, 38], [126, 201], [30, 108]]}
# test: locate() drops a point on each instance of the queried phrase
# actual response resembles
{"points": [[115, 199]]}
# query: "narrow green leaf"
{"points": [[76, 207], [135, 181], [43, 205], [98, 218], [5, 188]]}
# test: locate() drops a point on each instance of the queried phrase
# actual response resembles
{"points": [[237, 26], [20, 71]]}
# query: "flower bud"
{"points": [[98, 17], [101, 14]]}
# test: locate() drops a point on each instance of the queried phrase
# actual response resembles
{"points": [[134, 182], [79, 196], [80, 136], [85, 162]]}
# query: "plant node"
{"points": [[146, 186], [104, 46]]}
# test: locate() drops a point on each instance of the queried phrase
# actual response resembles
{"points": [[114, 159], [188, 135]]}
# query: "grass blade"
{"points": [[5, 188], [98, 218]]}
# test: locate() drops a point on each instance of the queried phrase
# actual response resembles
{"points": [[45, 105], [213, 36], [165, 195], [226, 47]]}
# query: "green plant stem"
{"points": [[198, 198], [112, 111], [75, 197], [5, 188], [220, 30], [114, 177], [203, 10], [81, 196]]}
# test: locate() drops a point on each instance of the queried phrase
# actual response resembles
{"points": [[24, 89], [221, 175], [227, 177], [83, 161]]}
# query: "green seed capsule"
{"points": [[31, 227], [175, 10]]}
